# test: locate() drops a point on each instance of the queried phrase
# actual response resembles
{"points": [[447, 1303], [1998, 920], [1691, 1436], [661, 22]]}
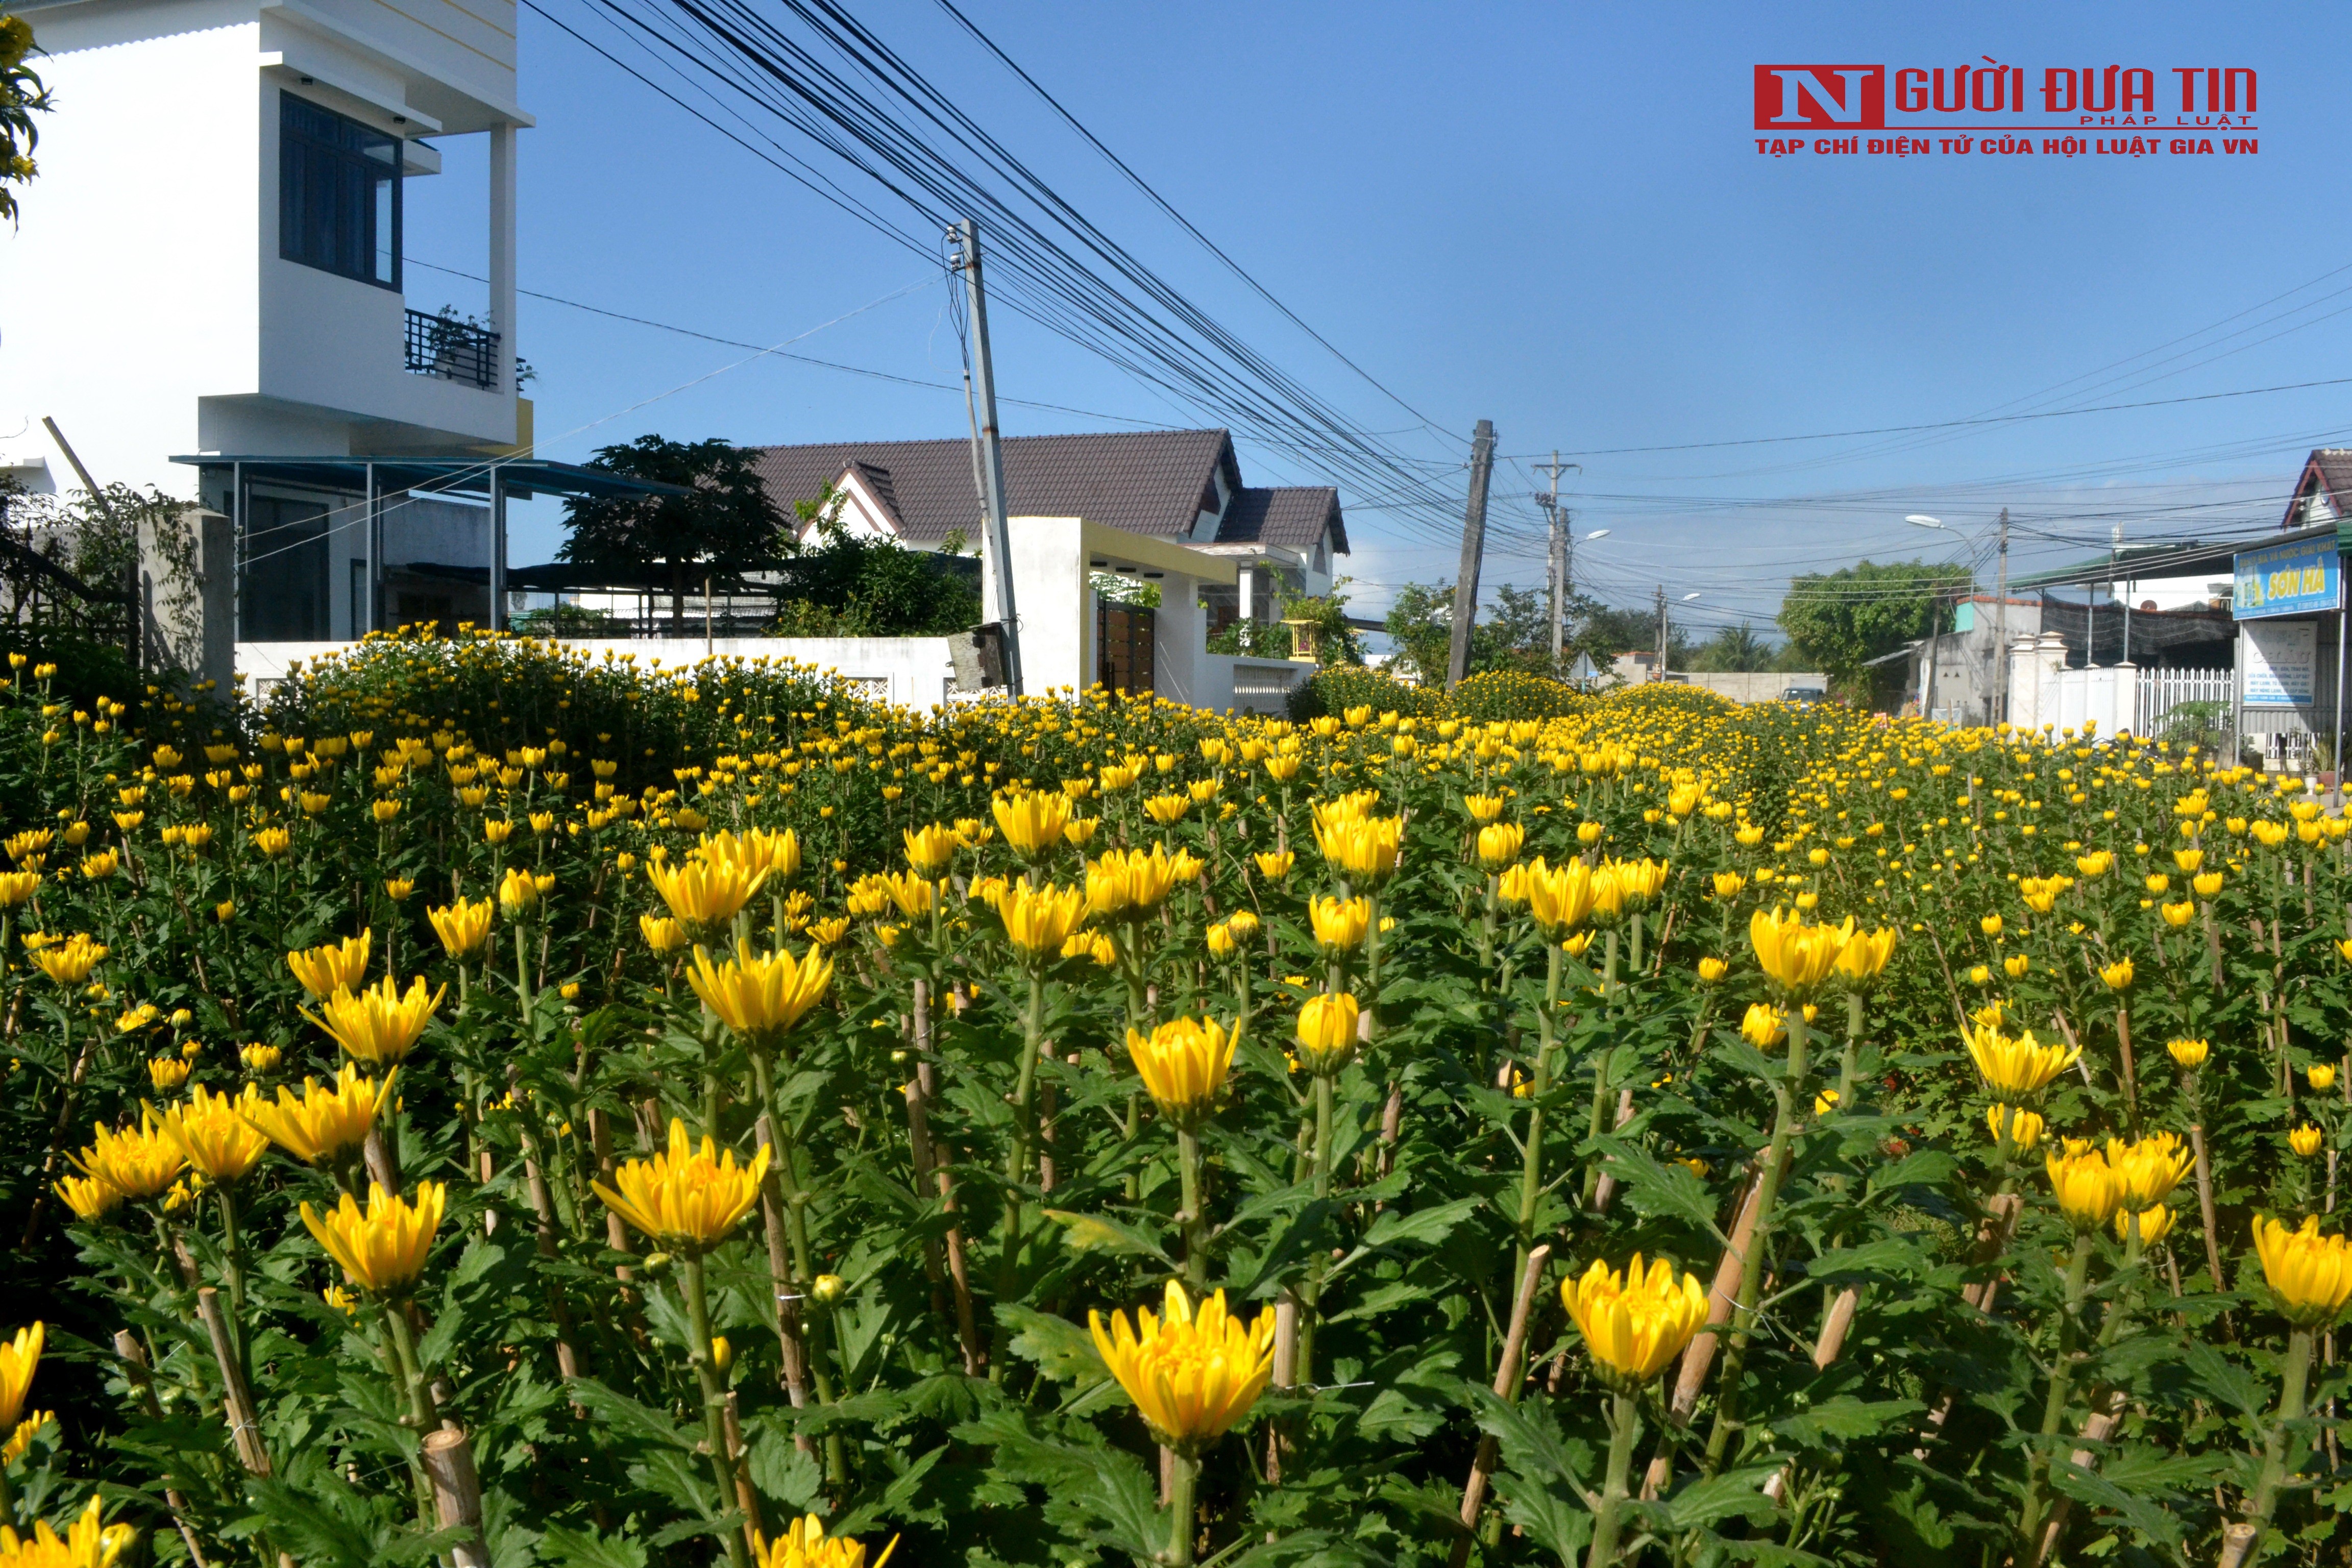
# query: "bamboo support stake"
{"points": [[791, 1344], [2106, 1414], [617, 1232], [1699, 1358], [143, 1382], [2205, 1202], [448, 1459], [933, 1162], [747, 1496], [1508, 1374], [1606, 1190], [236, 1401]]}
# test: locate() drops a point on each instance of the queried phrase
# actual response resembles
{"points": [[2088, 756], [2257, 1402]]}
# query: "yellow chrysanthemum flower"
{"points": [[1637, 1321], [687, 1198], [760, 996], [1130, 884], [327, 1124], [2149, 1168], [1193, 1371], [88, 1542], [69, 963], [1183, 1063], [2015, 1068], [379, 1025], [2088, 1189], [140, 1164], [1796, 956], [463, 926], [930, 851], [702, 893], [383, 1249], [2020, 1129], [1032, 822], [212, 1133], [1039, 921], [1327, 1032], [20, 1357], [1339, 923], [336, 966], [2310, 1275], [1862, 960], [806, 1545], [1499, 844], [1560, 898]]}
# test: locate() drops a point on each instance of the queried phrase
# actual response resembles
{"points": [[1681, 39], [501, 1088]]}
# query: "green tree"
{"points": [[1514, 635], [725, 526], [1604, 631], [1842, 620], [839, 584], [1735, 650], [22, 96]]}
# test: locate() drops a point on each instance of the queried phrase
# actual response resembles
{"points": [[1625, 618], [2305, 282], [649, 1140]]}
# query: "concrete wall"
{"points": [[1761, 685]]}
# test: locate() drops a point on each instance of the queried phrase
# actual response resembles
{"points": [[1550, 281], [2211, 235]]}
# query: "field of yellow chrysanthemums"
{"points": [[494, 1107]]}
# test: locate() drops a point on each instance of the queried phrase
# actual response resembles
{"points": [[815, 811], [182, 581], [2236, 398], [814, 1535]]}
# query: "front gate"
{"points": [[1123, 636]]}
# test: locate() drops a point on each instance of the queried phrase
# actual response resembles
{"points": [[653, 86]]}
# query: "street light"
{"points": [[1920, 521], [1688, 597], [1588, 538], [1999, 708]]}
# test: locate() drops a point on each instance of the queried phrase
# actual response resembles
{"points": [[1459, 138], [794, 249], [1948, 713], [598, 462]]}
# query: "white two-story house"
{"points": [[206, 293]]}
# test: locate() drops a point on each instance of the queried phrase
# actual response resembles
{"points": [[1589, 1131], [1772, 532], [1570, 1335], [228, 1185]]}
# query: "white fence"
{"points": [[2162, 691]]}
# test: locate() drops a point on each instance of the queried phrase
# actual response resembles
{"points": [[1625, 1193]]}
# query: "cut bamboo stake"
{"points": [[1506, 1386], [1606, 1189], [2106, 1414], [448, 1459], [382, 1169], [2205, 1202], [236, 1401], [1699, 1357], [616, 1233], [135, 1373], [792, 1345], [1835, 1327], [918, 1118], [747, 1496]]}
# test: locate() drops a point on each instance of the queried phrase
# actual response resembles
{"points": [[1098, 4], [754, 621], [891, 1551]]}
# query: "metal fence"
{"points": [[453, 349], [2162, 691]]}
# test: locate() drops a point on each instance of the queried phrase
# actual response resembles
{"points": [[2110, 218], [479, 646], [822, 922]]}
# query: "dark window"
{"points": [[338, 194], [285, 588]]}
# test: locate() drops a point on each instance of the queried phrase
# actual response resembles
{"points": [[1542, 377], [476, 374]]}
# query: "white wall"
{"points": [[1051, 595], [128, 290]]}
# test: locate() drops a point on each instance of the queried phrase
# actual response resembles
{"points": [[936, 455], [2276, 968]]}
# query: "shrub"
{"points": [[1342, 687], [1516, 694]]}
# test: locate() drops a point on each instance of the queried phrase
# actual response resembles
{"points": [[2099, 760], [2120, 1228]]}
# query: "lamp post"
{"points": [[2000, 705]]}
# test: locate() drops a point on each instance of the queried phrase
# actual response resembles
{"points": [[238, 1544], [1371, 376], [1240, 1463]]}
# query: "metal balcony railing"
{"points": [[452, 349]]}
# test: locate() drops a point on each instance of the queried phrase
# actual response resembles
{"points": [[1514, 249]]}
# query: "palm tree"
{"points": [[1734, 648]]}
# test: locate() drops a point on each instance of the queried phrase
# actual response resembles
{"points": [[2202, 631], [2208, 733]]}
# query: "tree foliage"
{"points": [[1842, 620], [839, 584], [22, 95], [727, 525]]}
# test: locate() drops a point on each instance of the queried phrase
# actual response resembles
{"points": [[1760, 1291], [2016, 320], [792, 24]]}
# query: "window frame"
{"points": [[331, 163]]}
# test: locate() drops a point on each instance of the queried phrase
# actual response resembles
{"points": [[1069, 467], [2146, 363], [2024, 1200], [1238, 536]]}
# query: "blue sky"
{"points": [[1554, 217]]}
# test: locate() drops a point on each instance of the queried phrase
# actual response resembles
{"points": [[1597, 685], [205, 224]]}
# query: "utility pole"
{"points": [[1561, 582], [1661, 674], [2001, 629], [1473, 548], [996, 551]]}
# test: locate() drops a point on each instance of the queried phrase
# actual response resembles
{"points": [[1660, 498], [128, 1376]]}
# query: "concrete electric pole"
{"points": [[1661, 673], [1562, 585], [996, 554], [2001, 629], [1473, 548]]}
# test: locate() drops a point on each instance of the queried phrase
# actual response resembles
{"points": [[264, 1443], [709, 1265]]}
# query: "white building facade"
{"points": [[210, 262]]}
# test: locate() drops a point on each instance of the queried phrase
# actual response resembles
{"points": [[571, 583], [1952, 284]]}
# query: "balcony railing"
{"points": [[452, 349]]}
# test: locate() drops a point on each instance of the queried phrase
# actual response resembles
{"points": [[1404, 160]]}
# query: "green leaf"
{"points": [[1653, 1188], [1092, 1233], [1059, 1348], [578, 1549], [1395, 1227], [1844, 1416], [629, 1418], [1705, 1499], [2222, 1381], [1921, 1168]]}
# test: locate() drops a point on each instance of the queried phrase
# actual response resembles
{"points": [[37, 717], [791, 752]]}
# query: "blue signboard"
{"points": [[2286, 580]]}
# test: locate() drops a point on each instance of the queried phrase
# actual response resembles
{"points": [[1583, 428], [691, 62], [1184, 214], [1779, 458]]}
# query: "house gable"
{"points": [[2323, 492]]}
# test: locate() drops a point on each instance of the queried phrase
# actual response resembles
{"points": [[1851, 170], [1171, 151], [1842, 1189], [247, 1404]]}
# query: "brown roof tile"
{"points": [[1145, 481], [1291, 516]]}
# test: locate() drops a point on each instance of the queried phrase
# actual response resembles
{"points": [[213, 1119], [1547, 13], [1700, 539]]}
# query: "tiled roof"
{"points": [[1145, 481], [1293, 516]]}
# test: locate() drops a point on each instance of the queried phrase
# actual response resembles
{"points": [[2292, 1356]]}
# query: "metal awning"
{"points": [[445, 476], [2200, 557]]}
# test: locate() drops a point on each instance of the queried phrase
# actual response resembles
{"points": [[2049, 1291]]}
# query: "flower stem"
{"points": [[1196, 1223], [1183, 1504], [1851, 1063], [1311, 1296], [1532, 1166], [1608, 1519], [714, 1399], [2294, 1377], [2061, 1370]]}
